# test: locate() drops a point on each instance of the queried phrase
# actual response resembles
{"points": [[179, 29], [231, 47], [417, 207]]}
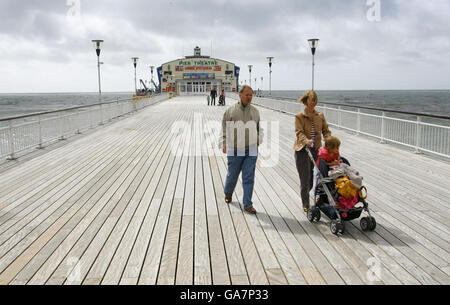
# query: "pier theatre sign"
{"points": [[198, 74], [191, 65]]}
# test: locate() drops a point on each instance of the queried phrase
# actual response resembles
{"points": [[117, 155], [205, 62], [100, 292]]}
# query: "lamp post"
{"points": [[313, 43], [262, 84], [135, 60], [152, 68], [250, 71], [270, 58], [98, 45]]}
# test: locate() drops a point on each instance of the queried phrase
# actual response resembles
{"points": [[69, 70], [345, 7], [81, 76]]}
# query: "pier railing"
{"points": [[421, 132], [27, 132]]}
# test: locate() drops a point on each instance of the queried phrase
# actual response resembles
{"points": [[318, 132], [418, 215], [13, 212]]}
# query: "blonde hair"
{"points": [[332, 142], [309, 95]]}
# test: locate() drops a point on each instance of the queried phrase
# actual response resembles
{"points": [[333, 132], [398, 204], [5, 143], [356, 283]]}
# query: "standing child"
{"points": [[208, 98]]}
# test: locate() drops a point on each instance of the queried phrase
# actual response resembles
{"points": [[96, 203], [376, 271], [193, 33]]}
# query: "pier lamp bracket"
{"points": [[135, 60], [98, 46], [270, 58], [313, 43]]}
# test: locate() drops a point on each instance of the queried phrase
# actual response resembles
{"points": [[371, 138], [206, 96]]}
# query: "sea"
{"points": [[433, 102], [16, 104]]}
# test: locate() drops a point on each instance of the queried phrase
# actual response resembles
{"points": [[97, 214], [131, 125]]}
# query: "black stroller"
{"points": [[222, 100], [328, 199]]}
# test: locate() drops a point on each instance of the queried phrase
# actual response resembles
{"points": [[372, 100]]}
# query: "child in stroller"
{"points": [[336, 195]]}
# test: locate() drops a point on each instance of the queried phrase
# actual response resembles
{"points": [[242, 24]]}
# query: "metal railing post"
{"points": [[11, 142], [101, 114], [382, 127], [90, 119], [79, 121], [61, 126], [40, 146], [109, 113], [418, 134], [358, 122], [339, 117]]}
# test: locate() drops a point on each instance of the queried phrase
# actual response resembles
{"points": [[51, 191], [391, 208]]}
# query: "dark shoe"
{"points": [[250, 210], [228, 198]]}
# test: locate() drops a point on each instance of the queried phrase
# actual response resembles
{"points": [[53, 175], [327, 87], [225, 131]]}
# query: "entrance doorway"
{"points": [[193, 87], [198, 87]]}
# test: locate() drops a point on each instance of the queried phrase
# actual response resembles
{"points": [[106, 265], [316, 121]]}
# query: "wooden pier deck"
{"points": [[117, 207]]}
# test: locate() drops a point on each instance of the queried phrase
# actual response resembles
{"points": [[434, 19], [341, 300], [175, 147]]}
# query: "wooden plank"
{"points": [[136, 213], [255, 270], [420, 244], [20, 188], [185, 263], [9, 273], [169, 178], [40, 223], [219, 266], [382, 257], [46, 165], [103, 260], [185, 270], [168, 265], [101, 201], [133, 268], [57, 179], [79, 248], [202, 263]]}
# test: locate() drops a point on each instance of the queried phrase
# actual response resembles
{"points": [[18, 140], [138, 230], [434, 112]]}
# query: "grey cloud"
{"points": [[242, 31]]}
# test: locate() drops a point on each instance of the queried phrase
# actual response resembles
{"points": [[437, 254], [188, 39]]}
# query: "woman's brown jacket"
{"points": [[303, 129]]}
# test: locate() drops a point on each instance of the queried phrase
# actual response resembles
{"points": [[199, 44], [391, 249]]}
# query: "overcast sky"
{"points": [[45, 45]]}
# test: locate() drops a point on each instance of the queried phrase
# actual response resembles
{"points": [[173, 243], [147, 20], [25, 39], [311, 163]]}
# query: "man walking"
{"points": [[213, 96], [240, 141]]}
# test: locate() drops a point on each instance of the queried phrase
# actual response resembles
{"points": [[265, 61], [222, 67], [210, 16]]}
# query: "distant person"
{"points": [[309, 125], [240, 141], [213, 96], [208, 98], [222, 98]]}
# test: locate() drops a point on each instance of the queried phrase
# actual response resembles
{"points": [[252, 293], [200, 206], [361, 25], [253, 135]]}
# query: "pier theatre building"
{"points": [[198, 74]]}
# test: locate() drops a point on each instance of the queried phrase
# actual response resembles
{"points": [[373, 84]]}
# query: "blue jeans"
{"points": [[246, 162]]}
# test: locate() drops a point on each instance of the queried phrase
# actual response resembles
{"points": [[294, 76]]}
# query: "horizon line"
{"points": [[112, 92]]}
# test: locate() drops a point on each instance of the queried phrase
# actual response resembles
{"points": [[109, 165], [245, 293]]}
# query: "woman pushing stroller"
{"points": [[310, 125], [337, 195]]}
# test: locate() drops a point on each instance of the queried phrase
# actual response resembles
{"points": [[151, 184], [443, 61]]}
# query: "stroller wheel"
{"points": [[341, 228], [373, 224], [316, 213], [313, 214], [337, 227], [365, 224], [310, 215]]}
